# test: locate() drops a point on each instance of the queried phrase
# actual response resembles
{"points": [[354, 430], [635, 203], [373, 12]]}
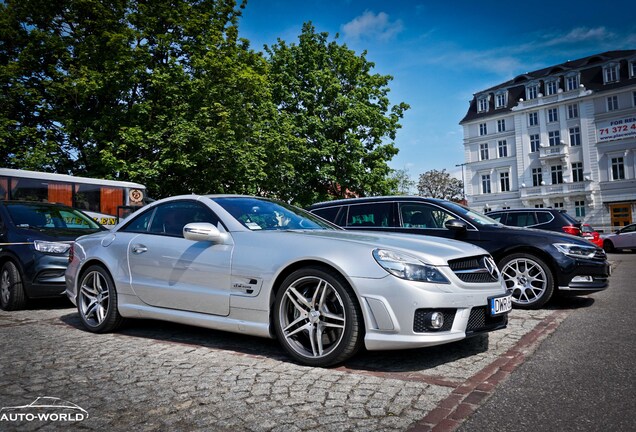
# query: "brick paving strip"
{"points": [[467, 397]]}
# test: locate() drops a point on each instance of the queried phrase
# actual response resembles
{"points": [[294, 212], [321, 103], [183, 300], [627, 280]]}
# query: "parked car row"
{"points": [[324, 282]]}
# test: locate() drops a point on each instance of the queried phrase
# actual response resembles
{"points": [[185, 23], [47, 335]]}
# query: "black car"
{"points": [[534, 263], [541, 218], [35, 239]]}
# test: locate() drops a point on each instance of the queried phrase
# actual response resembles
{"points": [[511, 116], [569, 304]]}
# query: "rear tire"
{"points": [[528, 278], [12, 296], [97, 301]]}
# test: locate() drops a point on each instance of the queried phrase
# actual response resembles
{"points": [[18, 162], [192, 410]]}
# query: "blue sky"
{"points": [[442, 52]]}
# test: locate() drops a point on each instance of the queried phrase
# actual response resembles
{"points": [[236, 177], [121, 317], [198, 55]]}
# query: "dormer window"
{"points": [[572, 82], [532, 91], [501, 100], [632, 69], [551, 87], [482, 104], [610, 73]]}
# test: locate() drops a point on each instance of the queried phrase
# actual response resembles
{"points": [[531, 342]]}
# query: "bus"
{"points": [[107, 201]]}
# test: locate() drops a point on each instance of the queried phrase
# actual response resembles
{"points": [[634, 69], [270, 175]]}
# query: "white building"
{"points": [[562, 137]]}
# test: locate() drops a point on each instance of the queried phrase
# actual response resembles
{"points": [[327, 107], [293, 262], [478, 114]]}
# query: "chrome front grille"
{"points": [[477, 269]]}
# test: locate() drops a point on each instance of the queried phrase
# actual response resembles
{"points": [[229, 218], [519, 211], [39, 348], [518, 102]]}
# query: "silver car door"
{"points": [[172, 272]]}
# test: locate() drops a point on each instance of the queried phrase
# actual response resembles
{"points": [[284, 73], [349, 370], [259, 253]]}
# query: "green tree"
{"points": [[404, 183], [335, 115], [162, 92], [440, 184]]}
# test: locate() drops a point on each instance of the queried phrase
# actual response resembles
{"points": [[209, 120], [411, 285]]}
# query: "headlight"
{"points": [[576, 251], [408, 267], [51, 247]]}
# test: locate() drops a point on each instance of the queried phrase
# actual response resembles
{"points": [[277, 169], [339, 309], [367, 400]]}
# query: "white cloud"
{"points": [[580, 34], [370, 25]]}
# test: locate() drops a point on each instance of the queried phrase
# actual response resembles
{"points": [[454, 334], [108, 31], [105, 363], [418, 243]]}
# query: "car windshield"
{"points": [[262, 214], [42, 216], [471, 215]]}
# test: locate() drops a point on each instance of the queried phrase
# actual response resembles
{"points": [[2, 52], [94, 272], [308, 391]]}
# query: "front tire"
{"points": [[609, 246], [12, 296], [97, 301], [529, 279], [317, 317]]}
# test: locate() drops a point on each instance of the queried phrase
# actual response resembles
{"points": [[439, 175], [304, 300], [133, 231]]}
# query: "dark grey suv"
{"points": [[35, 239], [540, 218], [534, 263]]}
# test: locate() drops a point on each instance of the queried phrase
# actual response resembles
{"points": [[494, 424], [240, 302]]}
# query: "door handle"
{"points": [[139, 249]]}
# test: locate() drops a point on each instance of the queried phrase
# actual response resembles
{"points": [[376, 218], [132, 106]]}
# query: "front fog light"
{"points": [[582, 279], [434, 320]]}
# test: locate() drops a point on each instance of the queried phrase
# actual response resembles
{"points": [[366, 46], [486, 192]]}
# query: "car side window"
{"points": [[416, 215], [329, 213], [497, 216], [170, 218], [629, 229], [521, 219], [373, 215], [544, 217]]}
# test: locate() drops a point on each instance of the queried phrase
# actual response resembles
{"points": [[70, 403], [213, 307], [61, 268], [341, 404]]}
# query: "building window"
{"points": [[483, 151], [553, 115], [632, 69], [502, 146], [482, 104], [533, 119], [551, 87], [554, 138], [531, 92], [537, 177], [612, 103], [501, 125], [504, 181], [556, 172], [538, 206], [573, 111], [575, 136], [501, 100], [485, 184], [534, 143], [618, 168], [483, 129], [572, 82], [577, 172], [579, 208], [558, 205], [634, 98], [610, 73]]}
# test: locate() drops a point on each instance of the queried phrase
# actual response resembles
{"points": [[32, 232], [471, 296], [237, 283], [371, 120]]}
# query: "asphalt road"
{"points": [[581, 378]]}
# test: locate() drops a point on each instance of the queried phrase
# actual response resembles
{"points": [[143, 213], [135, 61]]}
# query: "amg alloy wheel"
{"points": [[529, 279], [317, 318], [97, 301]]}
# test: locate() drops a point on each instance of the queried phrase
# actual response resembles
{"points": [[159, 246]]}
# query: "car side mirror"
{"points": [[456, 225], [202, 231]]}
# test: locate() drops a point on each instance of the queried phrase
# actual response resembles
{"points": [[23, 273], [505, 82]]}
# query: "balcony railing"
{"points": [[555, 151], [556, 189]]}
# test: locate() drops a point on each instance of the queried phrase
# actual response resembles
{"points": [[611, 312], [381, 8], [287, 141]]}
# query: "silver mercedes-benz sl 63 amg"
{"points": [[260, 267]]}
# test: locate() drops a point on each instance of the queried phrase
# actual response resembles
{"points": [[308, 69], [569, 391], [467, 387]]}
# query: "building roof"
{"points": [[591, 77]]}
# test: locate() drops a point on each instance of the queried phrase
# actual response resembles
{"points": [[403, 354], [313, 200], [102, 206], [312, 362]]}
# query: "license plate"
{"points": [[500, 305]]}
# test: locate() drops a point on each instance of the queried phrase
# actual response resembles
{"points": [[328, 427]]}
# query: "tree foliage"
{"points": [[440, 184], [339, 116], [167, 94]]}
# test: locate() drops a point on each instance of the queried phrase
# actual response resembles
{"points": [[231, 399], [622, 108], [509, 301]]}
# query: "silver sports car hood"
{"points": [[434, 250]]}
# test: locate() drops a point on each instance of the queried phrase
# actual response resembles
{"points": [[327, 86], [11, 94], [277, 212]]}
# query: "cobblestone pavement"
{"points": [[160, 376]]}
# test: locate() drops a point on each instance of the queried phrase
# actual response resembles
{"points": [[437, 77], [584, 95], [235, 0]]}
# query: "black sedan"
{"points": [[535, 263], [35, 239]]}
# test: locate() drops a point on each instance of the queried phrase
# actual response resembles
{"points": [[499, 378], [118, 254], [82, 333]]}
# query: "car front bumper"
{"points": [[393, 310]]}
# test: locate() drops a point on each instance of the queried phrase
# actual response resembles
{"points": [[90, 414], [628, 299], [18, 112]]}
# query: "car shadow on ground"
{"points": [[569, 303], [49, 304], [419, 359]]}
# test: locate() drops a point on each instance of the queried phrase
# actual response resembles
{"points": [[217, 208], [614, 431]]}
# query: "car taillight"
{"points": [[569, 229]]}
